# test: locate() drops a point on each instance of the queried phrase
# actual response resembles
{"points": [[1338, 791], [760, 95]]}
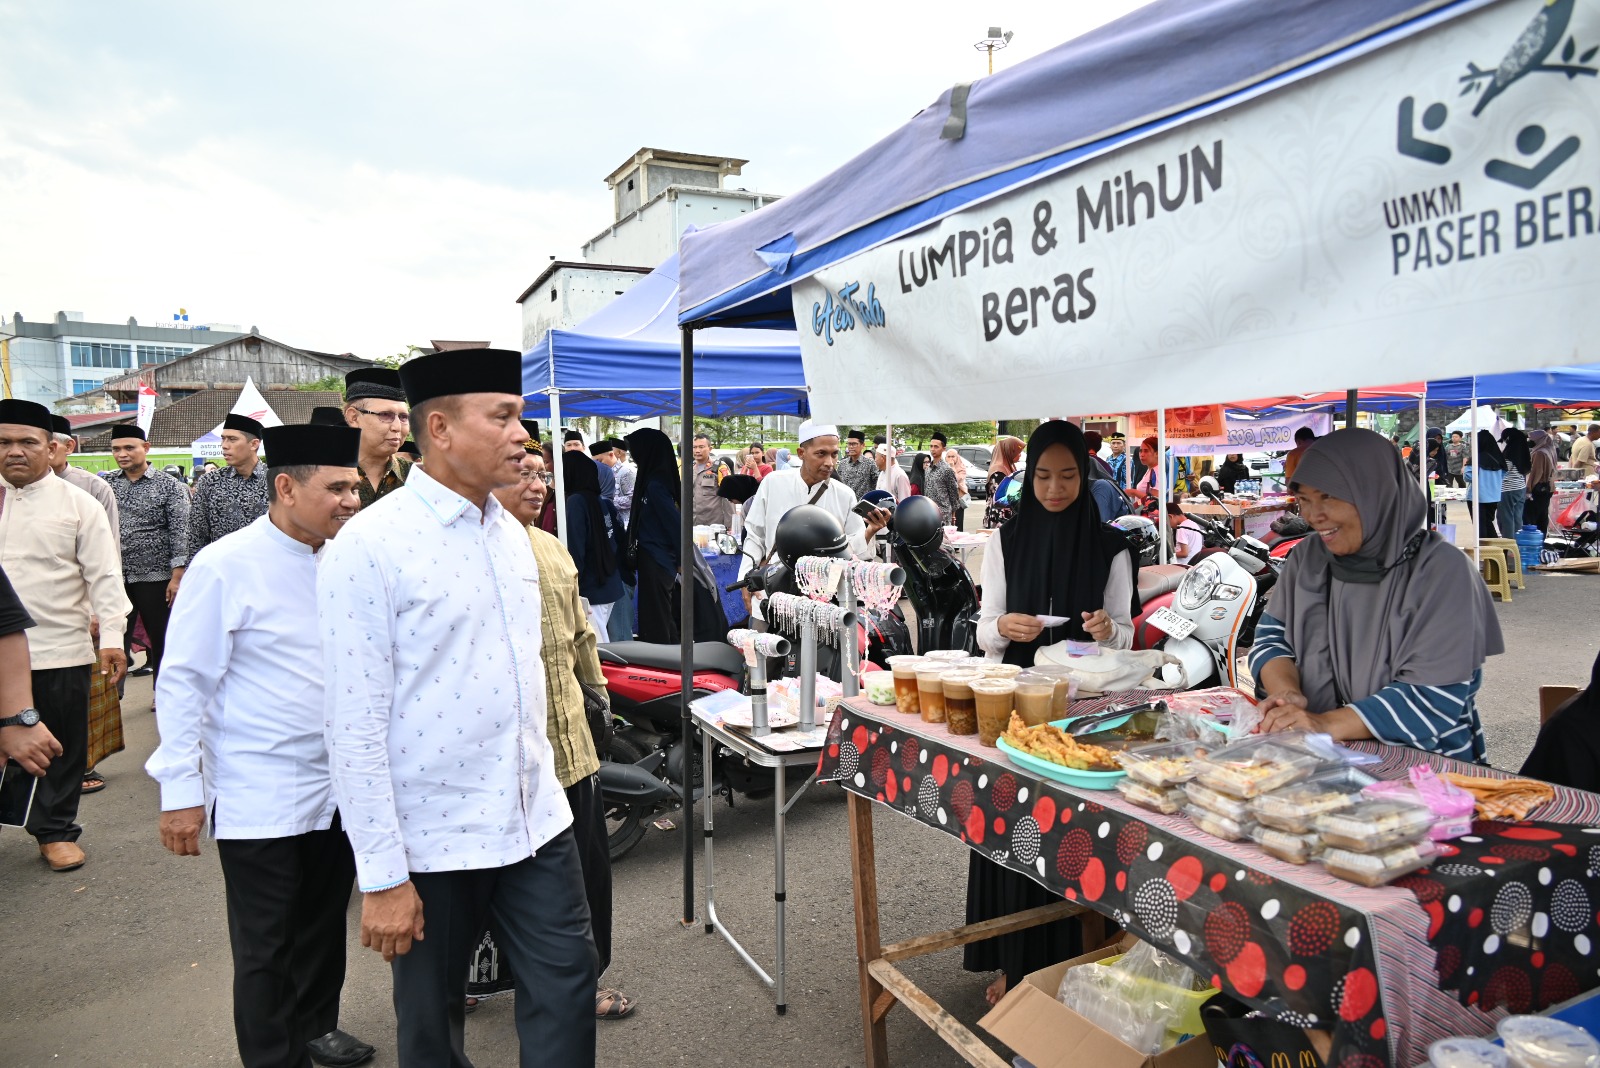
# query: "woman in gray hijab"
{"points": [[1378, 627]]}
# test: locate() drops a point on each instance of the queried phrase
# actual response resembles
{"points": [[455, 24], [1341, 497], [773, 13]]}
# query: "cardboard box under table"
{"points": [[1047, 1034], [1291, 941]]}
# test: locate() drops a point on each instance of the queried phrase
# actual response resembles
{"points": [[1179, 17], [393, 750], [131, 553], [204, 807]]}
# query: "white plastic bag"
{"points": [[1113, 670]]}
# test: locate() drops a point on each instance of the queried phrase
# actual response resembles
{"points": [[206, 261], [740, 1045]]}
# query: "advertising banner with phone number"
{"points": [[1257, 435], [1422, 210]]}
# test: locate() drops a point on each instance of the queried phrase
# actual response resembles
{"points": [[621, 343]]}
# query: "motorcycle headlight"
{"points": [[1197, 585]]}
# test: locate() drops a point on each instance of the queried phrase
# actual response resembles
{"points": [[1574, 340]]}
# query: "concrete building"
{"points": [[51, 361], [656, 195]]}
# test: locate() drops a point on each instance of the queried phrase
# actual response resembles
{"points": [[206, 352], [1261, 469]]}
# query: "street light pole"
{"points": [[996, 40]]}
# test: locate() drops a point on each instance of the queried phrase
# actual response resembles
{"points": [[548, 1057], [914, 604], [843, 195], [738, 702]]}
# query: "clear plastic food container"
{"points": [[1219, 826], [1287, 846], [1164, 765], [1161, 799], [1258, 764], [1376, 869], [1294, 808], [1541, 1042], [1371, 826], [1212, 801], [1466, 1053]]}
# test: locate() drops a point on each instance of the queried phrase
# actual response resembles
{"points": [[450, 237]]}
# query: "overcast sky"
{"points": [[359, 176]]}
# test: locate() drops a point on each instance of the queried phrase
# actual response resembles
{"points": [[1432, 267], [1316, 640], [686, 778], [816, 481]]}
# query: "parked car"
{"points": [[977, 458]]}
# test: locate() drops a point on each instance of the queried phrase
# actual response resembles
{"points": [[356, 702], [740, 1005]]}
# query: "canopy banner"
{"points": [[1256, 435], [1183, 424], [1425, 210]]}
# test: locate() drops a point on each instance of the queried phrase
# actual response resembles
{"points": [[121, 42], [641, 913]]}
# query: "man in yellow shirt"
{"points": [[1583, 453], [568, 646]]}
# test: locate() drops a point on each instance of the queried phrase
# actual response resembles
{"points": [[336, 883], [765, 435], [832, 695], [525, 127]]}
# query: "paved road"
{"points": [[126, 960]]}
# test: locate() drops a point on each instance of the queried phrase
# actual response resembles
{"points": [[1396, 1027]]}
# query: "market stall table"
{"points": [[1254, 519], [779, 752], [1293, 941]]}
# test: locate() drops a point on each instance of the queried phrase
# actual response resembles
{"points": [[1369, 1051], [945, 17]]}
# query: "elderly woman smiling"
{"points": [[1378, 627]]}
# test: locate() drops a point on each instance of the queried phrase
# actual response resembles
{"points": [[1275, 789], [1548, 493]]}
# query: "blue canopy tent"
{"points": [[623, 362], [1308, 303]]}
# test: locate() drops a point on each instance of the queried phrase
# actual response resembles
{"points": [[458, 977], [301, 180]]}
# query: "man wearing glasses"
{"points": [[376, 405]]}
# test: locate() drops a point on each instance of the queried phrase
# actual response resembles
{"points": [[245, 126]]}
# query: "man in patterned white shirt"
{"points": [[436, 723]]}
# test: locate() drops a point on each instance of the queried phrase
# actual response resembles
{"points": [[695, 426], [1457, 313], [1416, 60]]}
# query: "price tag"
{"points": [[1166, 620]]}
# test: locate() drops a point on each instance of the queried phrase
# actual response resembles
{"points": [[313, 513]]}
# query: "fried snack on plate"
{"points": [[1503, 799], [1057, 746]]}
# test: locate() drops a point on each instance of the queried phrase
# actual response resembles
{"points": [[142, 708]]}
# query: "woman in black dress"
{"points": [[653, 540]]}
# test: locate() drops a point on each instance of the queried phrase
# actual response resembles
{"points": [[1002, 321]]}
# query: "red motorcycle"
{"points": [[642, 767]]}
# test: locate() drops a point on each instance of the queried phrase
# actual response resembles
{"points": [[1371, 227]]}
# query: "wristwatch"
{"points": [[28, 717]]}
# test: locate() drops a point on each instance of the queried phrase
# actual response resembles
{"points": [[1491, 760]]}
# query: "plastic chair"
{"points": [[1492, 566], [1513, 555]]}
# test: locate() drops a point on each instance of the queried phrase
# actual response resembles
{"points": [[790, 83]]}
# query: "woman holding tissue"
{"points": [[1378, 627], [1053, 558]]}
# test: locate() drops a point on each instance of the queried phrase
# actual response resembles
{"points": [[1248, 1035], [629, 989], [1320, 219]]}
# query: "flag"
{"points": [[147, 406]]}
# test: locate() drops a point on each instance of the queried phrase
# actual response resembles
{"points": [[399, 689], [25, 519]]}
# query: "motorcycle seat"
{"points": [[1159, 579], [708, 656]]}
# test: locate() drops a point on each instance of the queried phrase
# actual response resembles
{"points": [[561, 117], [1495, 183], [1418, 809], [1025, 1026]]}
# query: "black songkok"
{"points": [[377, 383], [243, 424], [311, 445], [324, 415], [601, 447], [59, 425], [450, 374], [126, 430], [27, 413]]}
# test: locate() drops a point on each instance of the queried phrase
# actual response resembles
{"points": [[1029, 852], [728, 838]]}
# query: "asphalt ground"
{"points": [[126, 961]]}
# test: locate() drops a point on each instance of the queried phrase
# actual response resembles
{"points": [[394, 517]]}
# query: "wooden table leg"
{"points": [[864, 884]]}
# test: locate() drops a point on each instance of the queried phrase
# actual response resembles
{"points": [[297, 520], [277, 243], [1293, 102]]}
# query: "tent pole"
{"points": [[1351, 399], [1422, 443], [1160, 470], [1476, 480], [556, 447], [686, 585]]}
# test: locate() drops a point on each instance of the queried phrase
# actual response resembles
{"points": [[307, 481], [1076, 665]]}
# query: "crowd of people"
{"points": [[319, 758]]}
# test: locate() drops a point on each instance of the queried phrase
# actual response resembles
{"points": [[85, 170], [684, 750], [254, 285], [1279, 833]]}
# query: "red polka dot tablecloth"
{"points": [[1506, 920]]}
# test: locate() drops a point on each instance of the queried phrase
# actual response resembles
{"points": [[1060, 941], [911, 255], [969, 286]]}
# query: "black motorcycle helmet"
{"points": [[807, 530], [917, 523]]}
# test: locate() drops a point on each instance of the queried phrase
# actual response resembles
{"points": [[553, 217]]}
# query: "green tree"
{"points": [[325, 384]]}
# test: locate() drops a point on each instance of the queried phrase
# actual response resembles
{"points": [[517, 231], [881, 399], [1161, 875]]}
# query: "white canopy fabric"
{"points": [[1386, 216]]}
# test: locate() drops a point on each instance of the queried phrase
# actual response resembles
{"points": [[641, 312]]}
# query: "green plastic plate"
{"points": [[1089, 780]]}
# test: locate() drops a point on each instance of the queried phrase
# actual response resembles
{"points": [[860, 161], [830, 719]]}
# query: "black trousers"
{"points": [[541, 923], [149, 604], [287, 900], [1537, 510], [62, 698], [1486, 527]]}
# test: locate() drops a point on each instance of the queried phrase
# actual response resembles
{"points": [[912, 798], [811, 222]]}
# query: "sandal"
{"points": [[616, 1004], [93, 783]]}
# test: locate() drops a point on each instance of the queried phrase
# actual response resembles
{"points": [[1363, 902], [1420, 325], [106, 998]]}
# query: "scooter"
{"points": [[939, 586], [643, 765], [1205, 614]]}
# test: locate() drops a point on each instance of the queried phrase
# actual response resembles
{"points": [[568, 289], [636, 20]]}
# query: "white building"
{"points": [[52, 361], [656, 195]]}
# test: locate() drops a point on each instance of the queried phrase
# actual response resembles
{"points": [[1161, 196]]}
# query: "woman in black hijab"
{"points": [[652, 547], [1489, 478], [919, 472], [1232, 470], [1053, 557], [591, 536]]}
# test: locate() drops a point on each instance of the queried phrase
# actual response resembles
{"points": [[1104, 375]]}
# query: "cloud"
{"points": [[362, 176]]}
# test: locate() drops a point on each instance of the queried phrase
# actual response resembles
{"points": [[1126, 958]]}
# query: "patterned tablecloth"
{"points": [[1506, 919]]}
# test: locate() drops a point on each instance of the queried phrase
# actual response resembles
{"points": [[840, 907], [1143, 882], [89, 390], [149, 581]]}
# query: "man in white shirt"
{"points": [[445, 780], [58, 549], [891, 478], [240, 717], [811, 483]]}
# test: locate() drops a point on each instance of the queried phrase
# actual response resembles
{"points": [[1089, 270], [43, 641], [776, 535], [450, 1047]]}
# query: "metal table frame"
{"points": [[715, 734]]}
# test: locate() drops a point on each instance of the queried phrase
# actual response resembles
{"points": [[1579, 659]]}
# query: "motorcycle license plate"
{"points": [[1170, 622]]}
